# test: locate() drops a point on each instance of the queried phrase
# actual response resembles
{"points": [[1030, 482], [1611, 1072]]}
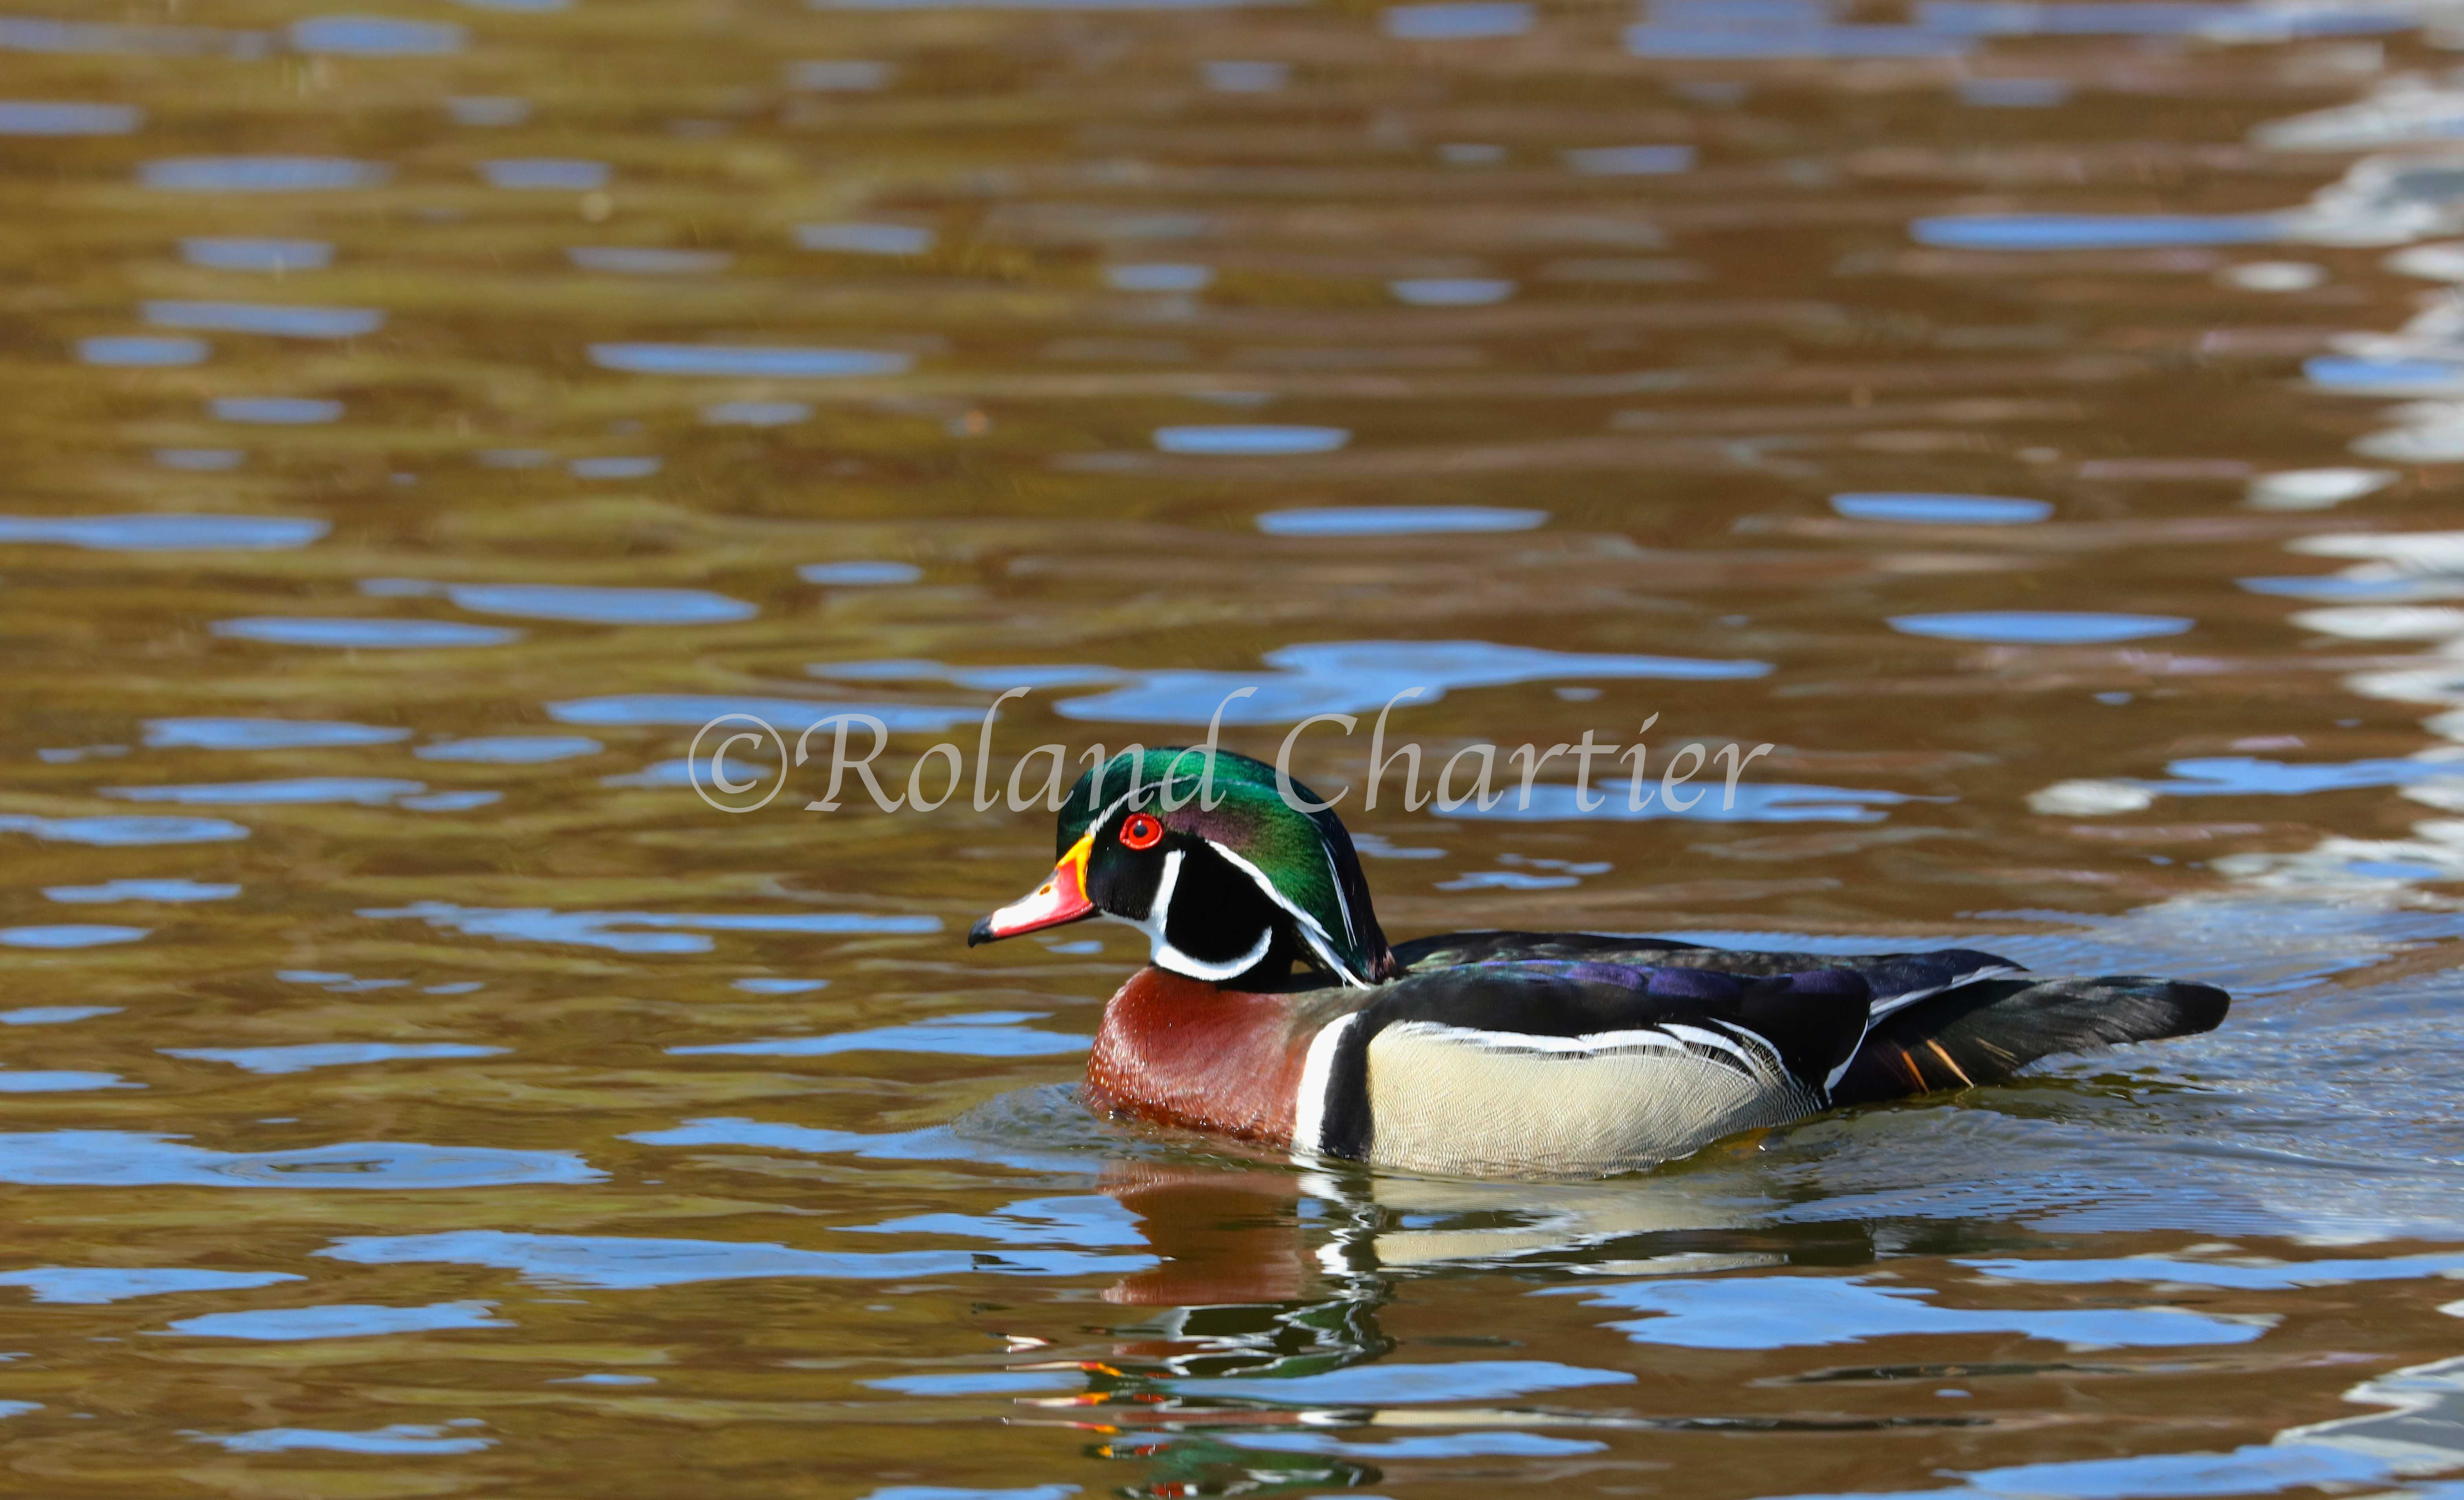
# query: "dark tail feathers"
{"points": [[1985, 1033]]}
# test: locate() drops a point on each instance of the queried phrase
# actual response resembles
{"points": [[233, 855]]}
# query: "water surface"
{"points": [[2036, 422]]}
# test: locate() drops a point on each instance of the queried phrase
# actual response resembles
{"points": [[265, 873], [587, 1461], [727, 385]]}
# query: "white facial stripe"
{"points": [[1106, 816], [1159, 908], [1168, 956], [1342, 903], [1267, 886], [1314, 935], [1333, 961], [1309, 1102], [1160, 951]]}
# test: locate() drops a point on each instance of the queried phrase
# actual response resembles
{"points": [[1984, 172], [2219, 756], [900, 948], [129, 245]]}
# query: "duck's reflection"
{"points": [[1229, 1236], [1234, 1281], [1269, 1289], [1270, 1284], [1271, 1274], [1224, 1236]]}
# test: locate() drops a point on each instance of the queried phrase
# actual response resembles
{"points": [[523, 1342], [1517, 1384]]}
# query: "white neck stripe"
{"points": [[1160, 951]]}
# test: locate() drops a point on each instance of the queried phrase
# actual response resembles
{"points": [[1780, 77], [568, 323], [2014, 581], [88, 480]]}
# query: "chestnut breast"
{"points": [[1181, 1051]]}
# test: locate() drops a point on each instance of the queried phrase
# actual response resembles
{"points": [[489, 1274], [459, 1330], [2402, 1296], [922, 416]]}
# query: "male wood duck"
{"points": [[1494, 1052]]}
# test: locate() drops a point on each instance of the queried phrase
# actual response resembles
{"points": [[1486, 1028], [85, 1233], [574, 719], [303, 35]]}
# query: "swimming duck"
{"points": [[1493, 1052]]}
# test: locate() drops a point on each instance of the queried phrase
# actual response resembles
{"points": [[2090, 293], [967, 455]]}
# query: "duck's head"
{"points": [[1234, 892]]}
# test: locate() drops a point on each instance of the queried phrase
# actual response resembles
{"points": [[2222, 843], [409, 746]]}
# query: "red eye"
{"points": [[1140, 832]]}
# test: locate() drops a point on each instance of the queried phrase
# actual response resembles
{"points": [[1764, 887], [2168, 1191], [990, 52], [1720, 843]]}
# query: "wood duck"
{"points": [[1493, 1052]]}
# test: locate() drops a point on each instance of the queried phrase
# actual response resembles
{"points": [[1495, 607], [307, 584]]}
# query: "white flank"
{"points": [[1760, 1044], [1712, 1039]]}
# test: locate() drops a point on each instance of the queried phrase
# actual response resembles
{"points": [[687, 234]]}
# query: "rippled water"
{"points": [[2039, 421]]}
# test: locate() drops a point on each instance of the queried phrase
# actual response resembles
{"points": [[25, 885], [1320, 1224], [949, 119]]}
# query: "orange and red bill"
{"points": [[1061, 899]]}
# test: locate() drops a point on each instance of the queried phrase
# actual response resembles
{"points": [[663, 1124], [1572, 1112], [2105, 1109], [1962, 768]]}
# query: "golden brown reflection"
{"points": [[2037, 422]]}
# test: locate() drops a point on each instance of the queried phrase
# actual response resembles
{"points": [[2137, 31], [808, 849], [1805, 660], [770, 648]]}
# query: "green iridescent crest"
{"points": [[1303, 860]]}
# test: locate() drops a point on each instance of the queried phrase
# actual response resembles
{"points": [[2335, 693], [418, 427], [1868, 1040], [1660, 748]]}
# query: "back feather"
{"points": [[1985, 1033]]}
